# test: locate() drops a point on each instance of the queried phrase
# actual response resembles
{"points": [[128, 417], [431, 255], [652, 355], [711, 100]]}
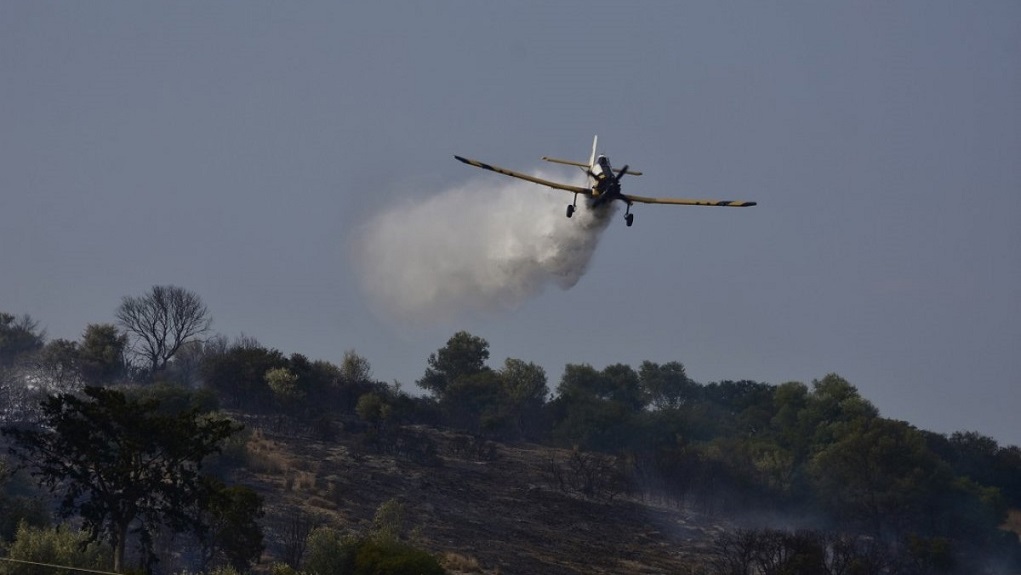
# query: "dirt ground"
{"points": [[502, 514]]}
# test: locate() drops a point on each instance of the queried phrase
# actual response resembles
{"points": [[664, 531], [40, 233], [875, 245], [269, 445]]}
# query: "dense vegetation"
{"points": [[865, 494]]}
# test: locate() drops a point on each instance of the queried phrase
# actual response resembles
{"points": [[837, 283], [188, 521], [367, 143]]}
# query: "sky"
{"points": [[267, 155]]}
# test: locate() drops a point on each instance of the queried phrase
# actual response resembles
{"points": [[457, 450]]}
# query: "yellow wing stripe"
{"points": [[526, 177], [687, 202]]}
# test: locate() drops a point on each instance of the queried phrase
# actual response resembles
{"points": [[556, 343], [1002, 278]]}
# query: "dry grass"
{"points": [[458, 563], [304, 481], [265, 455], [1013, 522]]}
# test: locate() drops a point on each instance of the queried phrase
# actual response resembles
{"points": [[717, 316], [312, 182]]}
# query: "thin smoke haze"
{"points": [[481, 247]]}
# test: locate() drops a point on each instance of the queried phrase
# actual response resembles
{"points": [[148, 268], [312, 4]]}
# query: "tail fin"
{"points": [[592, 158]]}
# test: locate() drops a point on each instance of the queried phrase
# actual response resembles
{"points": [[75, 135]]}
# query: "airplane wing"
{"points": [[526, 177], [686, 202], [565, 162], [584, 165]]}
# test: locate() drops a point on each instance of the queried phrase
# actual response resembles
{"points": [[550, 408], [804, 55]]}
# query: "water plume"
{"points": [[479, 247]]}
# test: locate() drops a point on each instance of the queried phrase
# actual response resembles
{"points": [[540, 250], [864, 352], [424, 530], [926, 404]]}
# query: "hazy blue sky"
{"points": [[234, 148]]}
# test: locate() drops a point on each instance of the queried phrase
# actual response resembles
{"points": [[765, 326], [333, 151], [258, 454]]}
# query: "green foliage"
{"points": [[59, 365], [329, 552], [475, 402], [19, 503], [799, 552], [667, 386], [380, 552], [372, 408], [56, 546], [599, 410], [616, 383], [834, 404], [880, 475], [172, 398], [388, 523], [506, 403], [238, 374], [375, 557], [101, 353], [983, 460], [230, 516], [355, 368], [594, 423], [285, 387], [464, 355], [525, 391], [19, 336], [282, 569], [118, 461]]}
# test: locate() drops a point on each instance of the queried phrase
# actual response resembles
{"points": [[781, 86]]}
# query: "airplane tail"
{"points": [[588, 168]]}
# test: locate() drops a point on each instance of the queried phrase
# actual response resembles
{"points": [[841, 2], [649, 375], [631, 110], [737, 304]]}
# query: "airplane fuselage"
{"points": [[605, 185]]}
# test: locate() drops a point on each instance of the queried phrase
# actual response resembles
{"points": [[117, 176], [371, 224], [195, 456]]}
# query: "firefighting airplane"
{"points": [[603, 185]]}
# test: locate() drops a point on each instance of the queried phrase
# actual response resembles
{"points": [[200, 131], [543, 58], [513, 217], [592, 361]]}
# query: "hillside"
{"points": [[504, 513]]}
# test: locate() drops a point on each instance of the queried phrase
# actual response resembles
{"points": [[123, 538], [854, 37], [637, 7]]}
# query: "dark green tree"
{"points": [[667, 386], [477, 403], [355, 368], [526, 392], [464, 355], [238, 374], [880, 476], [232, 534], [101, 353], [833, 405], [59, 365], [599, 410], [18, 336], [120, 463]]}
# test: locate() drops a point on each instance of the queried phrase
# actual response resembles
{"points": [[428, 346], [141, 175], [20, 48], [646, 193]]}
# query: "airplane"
{"points": [[603, 184]]}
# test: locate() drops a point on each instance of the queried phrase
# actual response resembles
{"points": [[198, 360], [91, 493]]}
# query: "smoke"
{"points": [[480, 247]]}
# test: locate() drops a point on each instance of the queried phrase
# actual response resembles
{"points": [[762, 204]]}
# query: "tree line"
{"points": [[816, 452]]}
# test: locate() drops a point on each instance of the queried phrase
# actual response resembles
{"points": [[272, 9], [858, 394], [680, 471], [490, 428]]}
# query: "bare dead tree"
{"points": [[161, 321]]}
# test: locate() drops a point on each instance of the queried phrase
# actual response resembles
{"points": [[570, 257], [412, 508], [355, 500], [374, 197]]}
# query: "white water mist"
{"points": [[479, 247]]}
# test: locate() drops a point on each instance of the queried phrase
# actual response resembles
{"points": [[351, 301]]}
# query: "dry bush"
{"points": [[473, 448], [304, 481], [321, 503], [592, 475], [1013, 522], [459, 563], [265, 456]]}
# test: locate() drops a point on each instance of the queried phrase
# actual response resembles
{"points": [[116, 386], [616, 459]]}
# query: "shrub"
{"points": [[328, 552], [375, 557], [55, 545]]}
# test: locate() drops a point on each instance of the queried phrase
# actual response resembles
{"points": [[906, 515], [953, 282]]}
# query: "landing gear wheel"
{"points": [[570, 210], [630, 219]]}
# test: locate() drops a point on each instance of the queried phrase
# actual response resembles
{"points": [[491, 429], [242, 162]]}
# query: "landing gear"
{"points": [[570, 208], [629, 219]]}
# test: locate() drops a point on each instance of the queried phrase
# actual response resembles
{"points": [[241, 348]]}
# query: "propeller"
{"points": [[621, 173]]}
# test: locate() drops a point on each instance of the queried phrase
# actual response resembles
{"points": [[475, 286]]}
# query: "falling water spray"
{"points": [[478, 247]]}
